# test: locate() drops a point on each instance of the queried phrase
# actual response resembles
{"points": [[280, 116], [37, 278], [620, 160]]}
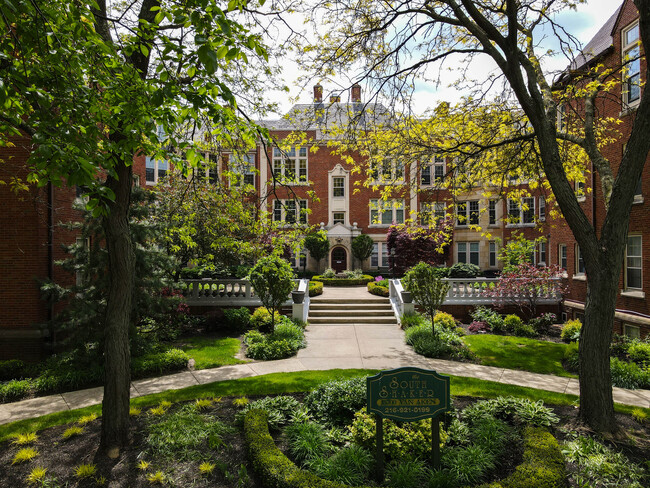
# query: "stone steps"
{"points": [[341, 311]]}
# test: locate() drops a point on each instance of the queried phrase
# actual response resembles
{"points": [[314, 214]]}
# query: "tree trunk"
{"points": [[117, 356], [596, 400]]}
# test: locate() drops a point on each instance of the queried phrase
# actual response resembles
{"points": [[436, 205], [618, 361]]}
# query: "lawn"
{"points": [[211, 352], [518, 353]]}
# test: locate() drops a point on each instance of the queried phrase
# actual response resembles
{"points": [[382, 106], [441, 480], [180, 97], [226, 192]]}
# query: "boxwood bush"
{"points": [[335, 402], [376, 289], [315, 288], [364, 279]]}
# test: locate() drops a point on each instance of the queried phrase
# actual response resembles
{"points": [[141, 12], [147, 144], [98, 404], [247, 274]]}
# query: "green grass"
{"points": [[211, 352], [519, 353], [277, 383]]}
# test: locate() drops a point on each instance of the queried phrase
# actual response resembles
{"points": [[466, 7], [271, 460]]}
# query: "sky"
{"points": [[582, 23]]}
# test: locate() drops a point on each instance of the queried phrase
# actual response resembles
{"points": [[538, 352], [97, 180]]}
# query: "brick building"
{"points": [[616, 46]]}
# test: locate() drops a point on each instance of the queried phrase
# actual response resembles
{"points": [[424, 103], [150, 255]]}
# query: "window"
{"points": [[298, 260], [541, 254], [521, 212], [638, 191], [243, 168], [136, 181], [632, 331], [155, 169], [562, 256], [632, 65], [431, 212], [633, 263], [467, 213], [542, 209], [493, 254], [492, 212], [386, 171], [437, 167], [290, 166], [580, 264], [286, 211], [560, 123], [338, 218], [338, 186], [374, 256], [467, 252], [580, 190], [379, 255], [385, 212]]}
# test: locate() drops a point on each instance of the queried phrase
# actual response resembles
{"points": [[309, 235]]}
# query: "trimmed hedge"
{"points": [[378, 290], [343, 281], [543, 465], [315, 288], [271, 465]]}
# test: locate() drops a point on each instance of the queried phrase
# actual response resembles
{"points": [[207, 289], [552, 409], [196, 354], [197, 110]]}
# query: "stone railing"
{"points": [[240, 293]]}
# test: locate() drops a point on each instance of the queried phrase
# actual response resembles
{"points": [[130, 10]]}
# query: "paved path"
{"points": [[329, 347]]}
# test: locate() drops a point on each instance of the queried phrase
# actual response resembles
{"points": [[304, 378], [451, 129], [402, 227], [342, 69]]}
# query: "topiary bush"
{"points": [[12, 369], [512, 322], [336, 402], [376, 289], [333, 281], [315, 288], [571, 330], [464, 270]]}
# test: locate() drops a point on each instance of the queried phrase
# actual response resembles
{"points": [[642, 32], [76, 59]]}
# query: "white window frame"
{"points": [[379, 207], [492, 212], [340, 187], [435, 171], [465, 214], [298, 260], [638, 263], [562, 256], [492, 254], [82, 243], [517, 216], [160, 168], [468, 252], [244, 170], [631, 72], [581, 194], [541, 209], [432, 212], [379, 255], [283, 209], [542, 254], [578, 259], [632, 331], [291, 166], [336, 220]]}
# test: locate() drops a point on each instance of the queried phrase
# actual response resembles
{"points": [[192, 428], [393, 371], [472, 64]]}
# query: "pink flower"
{"points": [[379, 278]]}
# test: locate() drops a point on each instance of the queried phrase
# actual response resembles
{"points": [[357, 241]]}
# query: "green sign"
{"points": [[408, 394]]}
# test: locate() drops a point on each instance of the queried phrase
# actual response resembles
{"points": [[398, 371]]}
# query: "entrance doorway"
{"points": [[339, 259]]}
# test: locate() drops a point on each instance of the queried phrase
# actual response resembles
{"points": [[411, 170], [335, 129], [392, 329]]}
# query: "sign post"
{"points": [[408, 394]]}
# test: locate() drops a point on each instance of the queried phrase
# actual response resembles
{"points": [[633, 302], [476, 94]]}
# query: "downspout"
{"points": [[50, 260]]}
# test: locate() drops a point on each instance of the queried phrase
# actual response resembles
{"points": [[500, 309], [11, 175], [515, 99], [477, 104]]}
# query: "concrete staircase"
{"points": [[357, 311]]}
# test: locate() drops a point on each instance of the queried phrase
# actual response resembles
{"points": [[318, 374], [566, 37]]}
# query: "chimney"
{"points": [[335, 99], [356, 93], [318, 94]]}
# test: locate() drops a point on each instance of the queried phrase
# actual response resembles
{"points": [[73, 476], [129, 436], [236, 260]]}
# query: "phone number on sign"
{"points": [[407, 410]]}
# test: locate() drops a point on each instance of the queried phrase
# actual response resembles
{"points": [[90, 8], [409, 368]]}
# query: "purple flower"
{"points": [[379, 278]]}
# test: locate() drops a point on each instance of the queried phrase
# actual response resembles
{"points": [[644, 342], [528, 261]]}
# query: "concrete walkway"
{"points": [[329, 347]]}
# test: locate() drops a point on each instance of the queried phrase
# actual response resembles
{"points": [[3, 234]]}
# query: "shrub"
{"points": [[428, 290], [444, 320], [279, 409], [329, 273], [490, 317], [639, 352], [524, 330], [629, 375], [571, 330], [571, 358], [12, 369], [464, 270], [543, 323], [242, 271], [408, 440], [479, 327], [336, 402], [511, 409], [446, 343], [512, 322], [315, 288], [377, 289], [270, 350], [272, 280], [466, 465], [334, 281], [262, 317], [159, 362], [284, 342], [353, 274], [409, 473], [362, 247], [307, 440], [238, 318], [15, 390], [350, 466]]}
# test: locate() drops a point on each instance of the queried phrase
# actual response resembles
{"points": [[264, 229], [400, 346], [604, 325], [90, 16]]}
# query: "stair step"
{"points": [[355, 320], [351, 313], [350, 306], [318, 300]]}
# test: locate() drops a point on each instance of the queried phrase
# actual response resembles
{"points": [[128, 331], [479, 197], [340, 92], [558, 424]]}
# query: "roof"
{"points": [[598, 44]]}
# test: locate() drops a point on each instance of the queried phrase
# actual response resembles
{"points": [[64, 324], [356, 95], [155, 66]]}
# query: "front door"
{"points": [[339, 259]]}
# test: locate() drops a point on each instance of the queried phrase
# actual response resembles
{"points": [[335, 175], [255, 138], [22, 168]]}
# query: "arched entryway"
{"points": [[339, 259]]}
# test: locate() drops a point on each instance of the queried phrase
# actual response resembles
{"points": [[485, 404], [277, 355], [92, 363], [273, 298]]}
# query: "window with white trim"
{"points": [[338, 186], [467, 252], [630, 48], [290, 166], [386, 212], [287, 211], [492, 212], [632, 331], [434, 172], [581, 194], [432, 212], [298, 260], [155, 169], [493, 254], [634, 263], [562, 256], [243, 168], [467, 213], [386, 171], [338, 218], [379, 255], [521, 212], [542, 209], [580, 264], [541, 254]]}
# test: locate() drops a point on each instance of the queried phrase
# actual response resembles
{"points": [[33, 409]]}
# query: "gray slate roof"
{"points": [[598, 44]]}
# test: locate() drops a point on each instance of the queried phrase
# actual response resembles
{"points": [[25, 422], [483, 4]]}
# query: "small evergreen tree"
{"points": [[427, 288], [317, 245], [362, 247], [272, 280]]}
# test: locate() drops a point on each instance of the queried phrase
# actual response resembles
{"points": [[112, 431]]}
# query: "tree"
{"points": [[517, 251], [524, 285], [392, 45], [90, 86], [318, 245], [362, 247], [272, 280], [427, 288], [409, 245]]}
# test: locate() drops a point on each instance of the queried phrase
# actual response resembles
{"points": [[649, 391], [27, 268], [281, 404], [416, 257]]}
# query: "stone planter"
{"points": [[406, 297], [298, 296]]}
